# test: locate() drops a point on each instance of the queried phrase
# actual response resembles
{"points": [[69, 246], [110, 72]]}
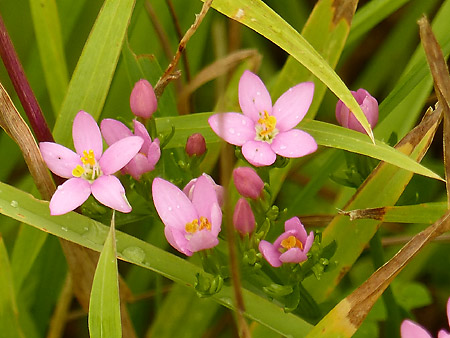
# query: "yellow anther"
{"points": [[291, 242], [268, 123], [78, 171], [88, 157], [193, 226]]}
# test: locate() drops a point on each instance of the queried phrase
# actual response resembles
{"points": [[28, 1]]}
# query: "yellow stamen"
{"points": [[78, 171], [88, 158], [193, 226], [291, 242], [268, 122]]}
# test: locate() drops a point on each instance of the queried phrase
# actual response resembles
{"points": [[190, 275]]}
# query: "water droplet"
{"points": [[238, 134], [282, 147], [258, 93], [253, 20], [60, 188], [14, 204], [231, 130], [64, 229], [178, 206], [244, 123], [239, 14], [169, 208], [135, 254]]}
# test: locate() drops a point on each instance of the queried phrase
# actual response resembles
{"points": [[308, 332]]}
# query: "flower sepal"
{"points": [[207, 285]]}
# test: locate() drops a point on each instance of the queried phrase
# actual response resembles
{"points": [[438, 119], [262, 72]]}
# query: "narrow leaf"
{"points": [[104, 305]]}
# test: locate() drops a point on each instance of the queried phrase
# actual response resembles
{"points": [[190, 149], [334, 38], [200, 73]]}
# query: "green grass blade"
{"points": [[95, 69], [91, 234], [259, 17], [104, 304], [51, 50], [9, 321], [325, 134]]}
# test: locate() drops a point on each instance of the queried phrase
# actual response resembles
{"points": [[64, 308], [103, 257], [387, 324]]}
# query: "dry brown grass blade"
{"points": [[82, 261], [441, 78]]}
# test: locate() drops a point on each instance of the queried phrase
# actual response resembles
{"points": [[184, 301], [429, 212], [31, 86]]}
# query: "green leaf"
{"points": [[259, 17], [95, 69], [9, 321], [325, 134], [51, 50], [104, 304], [91, 234]]}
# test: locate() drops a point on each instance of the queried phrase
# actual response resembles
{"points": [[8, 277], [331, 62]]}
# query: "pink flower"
{"points": [[195, 145], [264, 131], [189, 189], [143, 101], [147, 157], [410, 329], [190, 225], [290, 247], [243, 217], [369, 106], [247, 182], [89, 170]]}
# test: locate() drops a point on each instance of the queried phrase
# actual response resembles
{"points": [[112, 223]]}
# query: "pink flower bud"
{"points": [[369, 106], [243, 218], [195, 145], [247, 182], [143, 99]]}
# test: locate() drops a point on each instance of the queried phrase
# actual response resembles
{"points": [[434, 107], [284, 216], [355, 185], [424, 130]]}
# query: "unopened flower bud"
{"points": [[247, 182], [195, 145], [243, 217], [143, 99], [369, 106]]}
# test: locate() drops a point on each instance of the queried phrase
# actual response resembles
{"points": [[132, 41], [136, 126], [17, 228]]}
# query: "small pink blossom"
{"points": [[147, 157], [290, 247], [195, 145], [189, 189], [89, 170], [143, 101], [243, 217], [369, 106], [264, 131], [410, 329], [247, 182], [191, 225]]}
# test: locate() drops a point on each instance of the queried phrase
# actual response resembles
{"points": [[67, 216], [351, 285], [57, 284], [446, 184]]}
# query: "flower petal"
{"points": [[308, 243], [108, 190], [294, 143], [138, 165], [176, 238], [113, 130], [253, 96], [69, 196], [292, 106], [409, 329], [119, 154], [293, 255], [234, 128], [173, 206], [153, 153], [443, 334], [59, 159], [86, 135], [448, 311], [204, 196], [202, 240], [270, 253], [258, 153], [294, 224], [216, 219]]}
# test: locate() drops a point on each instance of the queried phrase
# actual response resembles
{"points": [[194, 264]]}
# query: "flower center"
{"points": [[194, 226], [265, 128], [291, 242], [90, 170]]}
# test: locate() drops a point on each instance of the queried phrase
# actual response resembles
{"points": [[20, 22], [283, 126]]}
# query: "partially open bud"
{"points": [[195, 145], [247, 182], [143, 99], [369, 106], [243, 218]]}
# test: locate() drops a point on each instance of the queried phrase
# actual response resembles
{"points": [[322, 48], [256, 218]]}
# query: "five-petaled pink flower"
{"points": [[410, 329], [290, 247], [89, 170], [191, 225], [264, 131], [149, 154]]}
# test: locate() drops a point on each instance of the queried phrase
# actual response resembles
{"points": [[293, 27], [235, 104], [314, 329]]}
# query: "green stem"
{"points": [[393, 311]]}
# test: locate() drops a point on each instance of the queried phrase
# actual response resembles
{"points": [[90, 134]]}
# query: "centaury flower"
{"points": [[191, 225], [290, 247], [147, 157], [89, 170], [264, 131], [410, 329]]}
